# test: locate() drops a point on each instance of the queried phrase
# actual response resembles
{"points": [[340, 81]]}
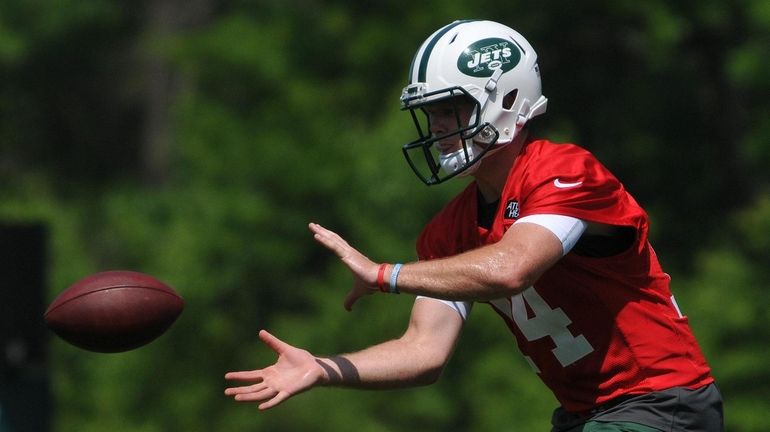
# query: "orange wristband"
{"points": [[381, 277]]}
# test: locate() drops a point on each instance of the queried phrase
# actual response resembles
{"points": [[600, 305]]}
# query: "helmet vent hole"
{"points": [[453, 38], [509, 99]]}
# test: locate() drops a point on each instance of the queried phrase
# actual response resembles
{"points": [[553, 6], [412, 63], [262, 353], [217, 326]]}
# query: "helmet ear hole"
{"points": [[509, 99]]}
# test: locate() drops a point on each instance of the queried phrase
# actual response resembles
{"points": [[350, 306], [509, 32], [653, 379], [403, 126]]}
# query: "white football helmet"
{"points": [[485, 63]]}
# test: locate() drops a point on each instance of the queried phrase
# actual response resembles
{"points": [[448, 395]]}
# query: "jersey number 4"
{"points": [[548, 322]]}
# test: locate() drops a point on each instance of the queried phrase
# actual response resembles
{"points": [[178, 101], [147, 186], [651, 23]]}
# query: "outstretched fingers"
{"points": [[295, 371], [260, 395], [267, 397], [364, 270], [329, 239], [273, 342], [274, 400], [245, 390], [260, 392], [255, 375]]}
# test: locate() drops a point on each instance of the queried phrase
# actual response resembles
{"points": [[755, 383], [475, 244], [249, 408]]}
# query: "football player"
{"points": [[545, 235]]}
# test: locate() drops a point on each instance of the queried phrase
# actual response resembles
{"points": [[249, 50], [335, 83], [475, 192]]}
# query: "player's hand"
{"points": [[295, 371], [364, 270]]}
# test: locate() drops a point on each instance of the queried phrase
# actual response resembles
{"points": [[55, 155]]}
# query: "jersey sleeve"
{"points": [[568, 180], [565, 228], [462, 307]]}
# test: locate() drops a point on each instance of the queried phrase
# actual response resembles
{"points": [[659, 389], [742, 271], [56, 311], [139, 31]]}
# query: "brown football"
{"points": [[114, 311]]}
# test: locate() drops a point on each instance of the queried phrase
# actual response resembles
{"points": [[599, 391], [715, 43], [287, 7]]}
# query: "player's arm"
{"points": [[416, 358], [502, 269], [499, 270]]}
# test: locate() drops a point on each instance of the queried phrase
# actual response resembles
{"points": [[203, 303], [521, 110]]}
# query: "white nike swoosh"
{"points": [[558, 183]]}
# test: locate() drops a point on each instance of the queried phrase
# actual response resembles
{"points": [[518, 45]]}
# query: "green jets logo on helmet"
{"points": [[482, 58]]}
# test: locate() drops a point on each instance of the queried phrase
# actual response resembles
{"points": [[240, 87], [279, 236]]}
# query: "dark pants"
{"points": [[595, 426], [675, 409]]}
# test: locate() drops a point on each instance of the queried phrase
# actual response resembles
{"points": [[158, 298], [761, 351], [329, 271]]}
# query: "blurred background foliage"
{"points": [[194, 140]]}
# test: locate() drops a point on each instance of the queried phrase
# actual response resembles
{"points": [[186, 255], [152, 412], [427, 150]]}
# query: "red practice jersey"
{"points": [[592, 328]]}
